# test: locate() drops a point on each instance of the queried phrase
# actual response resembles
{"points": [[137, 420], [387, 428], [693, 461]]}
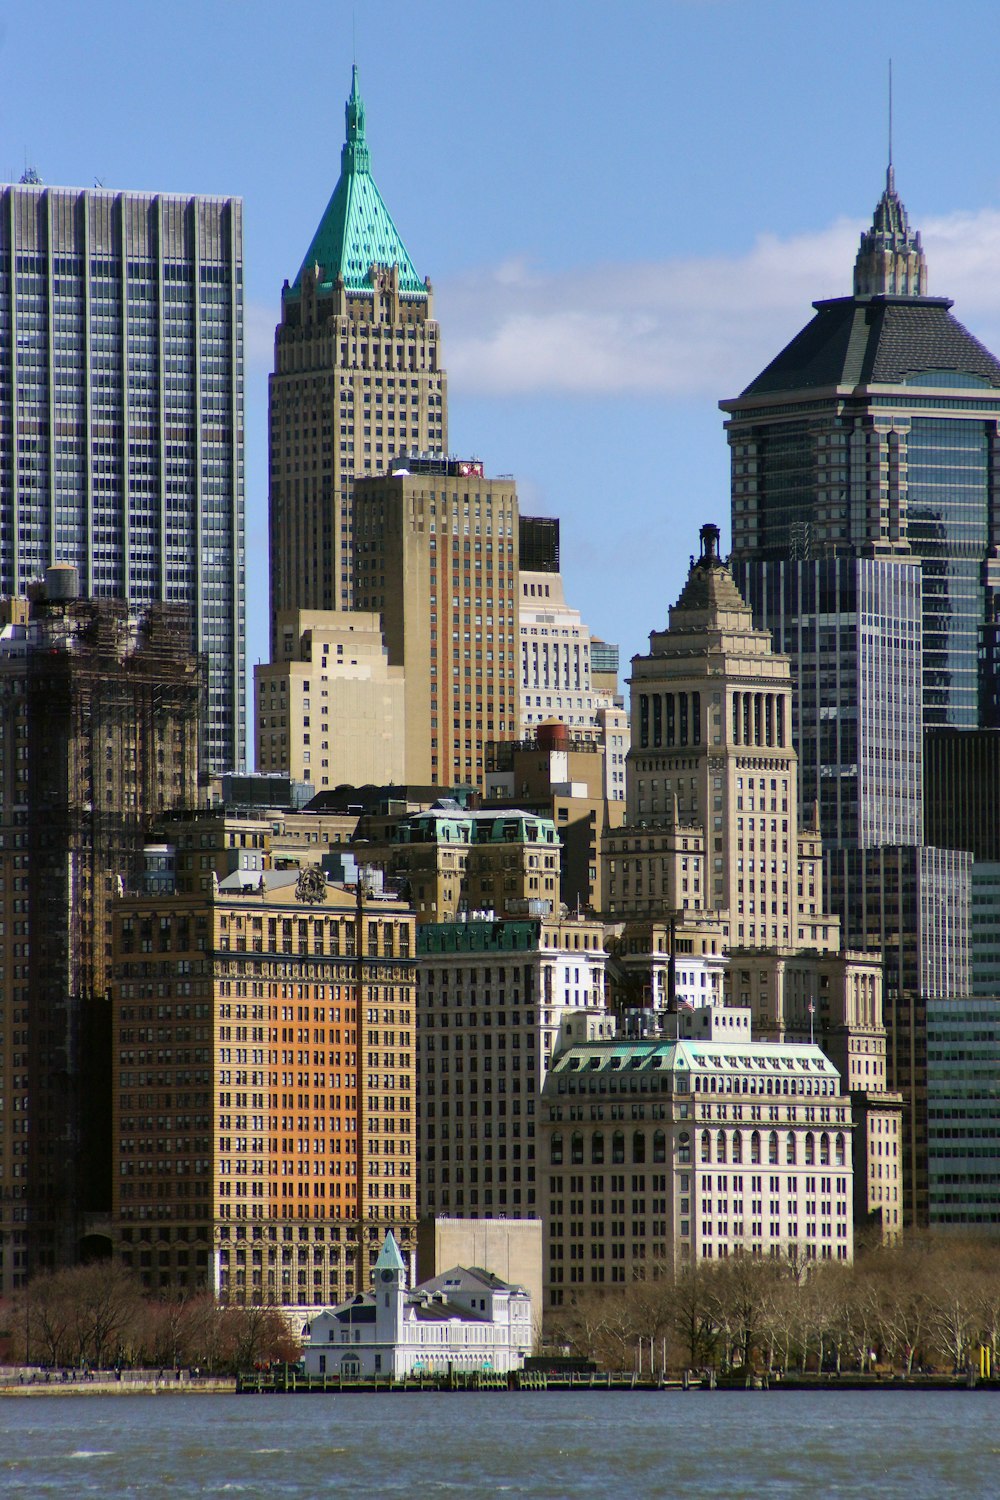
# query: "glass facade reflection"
{"points": [[121, 412], [852, 627], [948, 527], [963, 1114]]}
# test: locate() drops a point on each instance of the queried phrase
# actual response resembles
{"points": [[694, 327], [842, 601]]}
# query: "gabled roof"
{"points": [[466, 1279], [356, 232]]}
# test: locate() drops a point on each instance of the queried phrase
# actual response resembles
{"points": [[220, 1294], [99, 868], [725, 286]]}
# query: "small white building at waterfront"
{"points": [[464, 1319]]}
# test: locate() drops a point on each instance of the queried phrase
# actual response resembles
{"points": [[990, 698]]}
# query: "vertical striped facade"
{"points": [[121, 412]]}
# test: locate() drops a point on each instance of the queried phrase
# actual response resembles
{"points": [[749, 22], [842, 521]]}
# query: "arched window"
{"points": [[706, 1146], [659, 1146], [790, 1148], [737, 1145], [824, 1150], [576, 1149], [720, 1146], [772, 1148], [638, 1147], [841, 1149], [556, 1149], [810, 1149], [755, 1148], [683, 1147], [618, 1146], [597, 1148]]}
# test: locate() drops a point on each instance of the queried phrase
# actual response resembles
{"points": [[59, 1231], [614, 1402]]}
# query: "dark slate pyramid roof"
{"points": [[856, 341]]}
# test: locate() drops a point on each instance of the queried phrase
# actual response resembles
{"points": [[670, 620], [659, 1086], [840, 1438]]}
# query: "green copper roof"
{"points": [[357, 232], [389, 1258]]}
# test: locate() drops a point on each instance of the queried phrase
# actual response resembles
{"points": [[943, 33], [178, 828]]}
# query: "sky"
{"points": [[625, 210]]}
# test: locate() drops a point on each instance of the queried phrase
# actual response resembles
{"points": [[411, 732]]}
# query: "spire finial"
{"points": [[354, 157], [890, 176]]}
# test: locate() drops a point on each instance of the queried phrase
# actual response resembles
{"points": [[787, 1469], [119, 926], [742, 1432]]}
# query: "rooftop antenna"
{"points": [[889, 173]]}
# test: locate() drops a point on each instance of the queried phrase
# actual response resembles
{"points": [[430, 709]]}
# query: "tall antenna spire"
{"points": [[890, 174]]}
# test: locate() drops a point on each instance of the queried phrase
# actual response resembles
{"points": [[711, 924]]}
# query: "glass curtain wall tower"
{"points": [[875, 433], [121, 413]]}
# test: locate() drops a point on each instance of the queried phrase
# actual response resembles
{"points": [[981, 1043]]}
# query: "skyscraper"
{"points": [[357, 378], [866, 523], [121, 412], [875, 433], [99, 718], [436, 552]]}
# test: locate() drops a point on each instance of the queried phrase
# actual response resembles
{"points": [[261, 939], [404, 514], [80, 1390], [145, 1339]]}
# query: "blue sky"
{"points": [[625, 210]]}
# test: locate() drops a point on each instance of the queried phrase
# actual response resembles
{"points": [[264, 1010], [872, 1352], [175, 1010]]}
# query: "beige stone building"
{"points": [[508, 1248], [491, 996], [711, 804], [658, 966], [455, 862], [264, 1086], [436, 553], [557, 680], [659, 1152], [567, 776], [712, 839], [330, 709], [357, 378], [836, 999]]}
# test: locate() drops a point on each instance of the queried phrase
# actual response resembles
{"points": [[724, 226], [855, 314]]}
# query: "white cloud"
{"points": [[259, 323], [685, 327]]}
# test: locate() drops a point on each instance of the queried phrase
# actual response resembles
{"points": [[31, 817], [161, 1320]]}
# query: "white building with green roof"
{"points": [[464, 1319], [694, 1144]]}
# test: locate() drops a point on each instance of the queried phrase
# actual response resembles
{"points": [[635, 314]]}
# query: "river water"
{"points": [[770, 1445]]}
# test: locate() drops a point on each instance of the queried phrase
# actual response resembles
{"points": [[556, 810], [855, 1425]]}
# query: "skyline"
{"points": [[610, 288]]}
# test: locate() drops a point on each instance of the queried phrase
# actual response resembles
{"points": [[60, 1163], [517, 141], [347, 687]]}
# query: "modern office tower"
{"points": [[874, 434], [357, 379], [99, 716], [963, 1115], [962, 790], [851, 627], [330, 710], [121, 413], [915, 912], [984, 930], [657, 1152], [490, 999], [453, 863], [436, 553], [711, 778], [577, 780], [263, 1086], [910, 904]]}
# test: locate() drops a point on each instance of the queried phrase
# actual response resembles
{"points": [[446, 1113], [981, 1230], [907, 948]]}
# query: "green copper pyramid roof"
{"points": [[389, 1258], [357, 231]]}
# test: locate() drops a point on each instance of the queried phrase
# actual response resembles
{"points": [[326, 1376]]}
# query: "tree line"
{"points": [[928, 1303], [98, 1316]]}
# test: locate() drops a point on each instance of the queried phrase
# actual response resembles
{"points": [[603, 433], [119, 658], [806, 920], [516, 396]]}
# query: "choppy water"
{"points": [[917, 1445]]}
